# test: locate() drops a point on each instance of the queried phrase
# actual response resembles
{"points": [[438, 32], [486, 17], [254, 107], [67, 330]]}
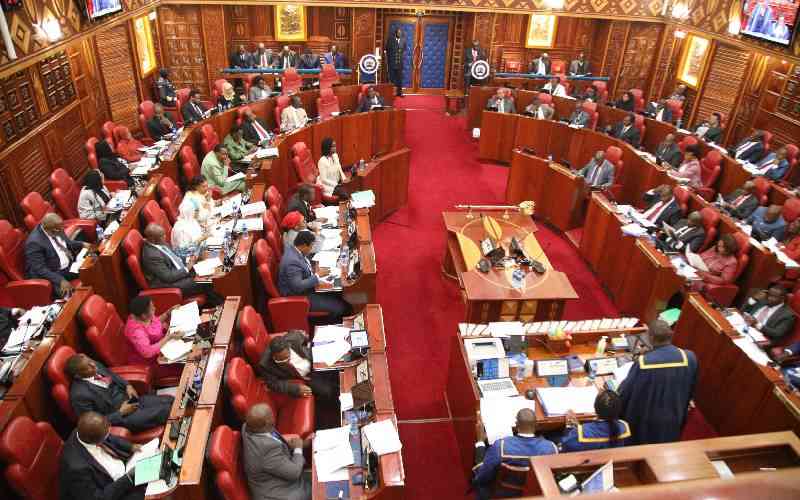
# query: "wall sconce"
{"points": [[734, 26], [680, 10], [51, 29], [554, 4], [680, 34]]}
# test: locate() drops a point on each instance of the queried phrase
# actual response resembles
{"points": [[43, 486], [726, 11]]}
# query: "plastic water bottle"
{"points": [[518, 279], [99, 231], [361, 165], [601, 346]]}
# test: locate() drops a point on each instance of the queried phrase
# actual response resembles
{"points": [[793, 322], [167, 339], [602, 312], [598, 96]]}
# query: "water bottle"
{"points": [[197, 381], [601, 346], [361, 165], [99, 231], [518, 279]]}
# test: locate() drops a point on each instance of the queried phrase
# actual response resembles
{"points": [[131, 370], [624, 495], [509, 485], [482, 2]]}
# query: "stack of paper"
{"points": [[119, 200], [504, 329], [752, 350], [267, 153], [327, 259], [331, 233], [258, 207], [332, 454], [239, 176], [176, 349], [207, 267], [329, 353], [775, 247], [251, 224], [78, 262], [330, 212], [185, 319], [383, 437], [560, 400], [362, 199], [499, 415], [330, 333], [633, 229]]}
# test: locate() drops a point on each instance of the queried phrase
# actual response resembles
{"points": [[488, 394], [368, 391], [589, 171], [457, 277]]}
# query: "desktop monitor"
{"points": [[99, 8]]}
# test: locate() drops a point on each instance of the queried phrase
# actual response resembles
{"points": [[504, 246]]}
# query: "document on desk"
{"points": [[559, 400], [326, 259], [207, 267], [695, 260], [185, 318], [148, 449], [258, 207], [505, 329], [267, 153], [362, 199], [383, 437], [331, 333], [176, 349], [331, 233], [330, 212], [76, 265], [346, 401], [332, 454], [330, 352], [239, 176], [500, 414], [633, 229], [329, 244], [752, 350], [250, 224]]}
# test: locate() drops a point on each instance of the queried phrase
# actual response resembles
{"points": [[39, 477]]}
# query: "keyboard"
{"points": [[501, 387]]}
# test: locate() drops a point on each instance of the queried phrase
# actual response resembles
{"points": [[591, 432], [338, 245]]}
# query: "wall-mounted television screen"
{"points": [[98, 8], [771, 20]]}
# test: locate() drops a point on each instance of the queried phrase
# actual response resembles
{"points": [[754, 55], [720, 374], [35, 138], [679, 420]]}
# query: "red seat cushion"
{"points": [[224, 452], [32, 452]]}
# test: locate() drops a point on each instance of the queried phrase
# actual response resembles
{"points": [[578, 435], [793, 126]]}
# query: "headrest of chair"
{"points": [[712, 158], [710, 217], [326, 93], [57, 364], [22, 442], [613, 153]]}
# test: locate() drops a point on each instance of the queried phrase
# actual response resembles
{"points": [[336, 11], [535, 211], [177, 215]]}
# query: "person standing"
{"points": [[472, 55], [394, 49]]}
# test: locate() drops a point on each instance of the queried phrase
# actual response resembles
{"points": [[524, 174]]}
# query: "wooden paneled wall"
{"points": [[726, 74], [115, 55]]}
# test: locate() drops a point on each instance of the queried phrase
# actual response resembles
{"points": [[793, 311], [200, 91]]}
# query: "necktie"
{"points": [[262, 134], [738, 201], [285, 61], [595, 174], [654, 214], [762, 314], [264, 60]]}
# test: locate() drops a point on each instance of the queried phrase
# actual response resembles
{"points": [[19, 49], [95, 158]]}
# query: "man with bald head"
{"points": [[49, 253], [512, 450], [767, 222], [93, 463], [273, 465], [688, 233]]}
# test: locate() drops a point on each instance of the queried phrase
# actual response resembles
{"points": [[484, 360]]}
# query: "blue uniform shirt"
{"points": [[513, 450], [594, 436]]}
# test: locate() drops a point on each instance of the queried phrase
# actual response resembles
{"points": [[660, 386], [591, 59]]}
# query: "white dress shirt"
{"points": [[91, 205], [330, 173], [293, 118], [113, 465], [300, 364], [654, 212], [541, 69], [60, 246], [97, 381], [764, 314], [559, 91]]}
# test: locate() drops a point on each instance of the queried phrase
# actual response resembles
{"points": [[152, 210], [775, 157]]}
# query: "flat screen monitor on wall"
{"points": [[771, 20], [98, 8]]}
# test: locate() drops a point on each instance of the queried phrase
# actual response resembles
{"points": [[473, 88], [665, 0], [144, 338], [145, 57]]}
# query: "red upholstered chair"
{"points": [[328, 76], [545, 98], [281, 103], [682, 196], [270, 223], [292, 415], [248, 82], [591, 108], [767, 140], [557, 66], [26, 293], [108, 134], [639, 124], [602, 90], [32, 454], [275, 241], [614, 156], [153, 213], [209, 138], [763, 186], [240, 111], [563, 80], [216, 89], [181, 98], [791, 209], [61, 382], [91, 153], [710, 223], [36, 207], [190, 167], [676, 107], [65, 193], [170, 197], [275, 199], [255, 336], [724, 294], [127, 146], [791, 157], [307, 172], [638, 100], [710, 168], [327, 103], [146, 111], [363, 91], [224, 452], [689, 140], [291, 81]]}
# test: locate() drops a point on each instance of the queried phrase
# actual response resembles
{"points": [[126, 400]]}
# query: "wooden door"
{"points": [[426, 59]]}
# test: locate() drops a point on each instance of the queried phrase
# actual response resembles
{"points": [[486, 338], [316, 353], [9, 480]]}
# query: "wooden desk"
{"points": [[491, 297], [669, 463], [387, 177]]}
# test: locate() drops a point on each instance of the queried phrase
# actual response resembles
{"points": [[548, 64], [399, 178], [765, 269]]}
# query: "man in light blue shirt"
{"points": [[767, 222]]}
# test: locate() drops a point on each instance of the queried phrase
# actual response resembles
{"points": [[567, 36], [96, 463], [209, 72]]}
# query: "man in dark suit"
{"points": [[297, 277], [579, 117], [768, 312], [287, 368], [373, 98], [599, 172], [49, 253], [308, 60], [95, 388], [394, 48], [626, 131], [751, 149], [286, 58], [742, 202], [662, 206], [689, 233], [501, 102], [301, 202], [8, 321], [711, 129], [254, 129], [659, 111], [164, 269], [668, 152], [472, 54], [273, 465], [166, 90], [241, 58], [160, 123], [93, 463], [540, 65], [262, 57], [579, 66], [194, 110]]}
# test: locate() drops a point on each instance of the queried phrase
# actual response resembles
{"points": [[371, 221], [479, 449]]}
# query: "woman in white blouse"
{"points": [[93, 198], [199, 197], [187, 235], [331, 174]]}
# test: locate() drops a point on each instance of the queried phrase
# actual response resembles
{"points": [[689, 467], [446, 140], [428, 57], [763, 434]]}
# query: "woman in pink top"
{"points": [[721, 262], [689, 170], [146, 334]]}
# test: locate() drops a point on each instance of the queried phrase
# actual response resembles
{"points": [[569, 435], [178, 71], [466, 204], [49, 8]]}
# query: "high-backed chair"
{"points": [[280, 104], [146, 111], [36, 207], [510, 480], [240, 112], [682, 196], [216, 89], [25, 292], [65, 192], [169, 197], [791, 210], [638, 122], [153, 214], [291, 81], [292, 415], [190, 168], [269, 221], [689, 140], [32, 454], [328, 76], [710, 224], [275, 199], [327, 103], [512, 66], [181, 98], [792, 158], [545, 98], [61, 383], [225, 454], [91, 152], [255, 336], [108, 134], [209, 138], [614, 156], [676, 107], [710, 168], [307, 172], [362, 91], [638, 100], [563, 80], [127, 146], [767, 141], [591, 108], [557, 66], [724, 294], [763, 187], [602, 90]]}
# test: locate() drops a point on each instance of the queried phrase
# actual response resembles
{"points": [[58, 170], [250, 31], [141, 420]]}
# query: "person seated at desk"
{"points": [[331, 176], [95, 388], [791, 240], [742, 202], [187, 233], [554, 87], [301, 202], [589, 93], [254, 129], [241, 58], [166, 90], [296, 277], [579, 66], [335, 57], [93, 198], [163, 268], [689, 172], [689, 233], [662, 206], [609, 431], [538, 110], [286, 58], [540, 65], [669, 152], [751, 149], [500, 103], [579, 117], [774, 165], [308, 60], [146, 335], [679, 94], [626, 102], [198, 195], [371, 100], [230, 98], [9, 317], [294, 116], [768, 312], [656, 393], [287, 368], [194, 110], [599, 172], [625, 131], [710, 130], [238, 147], [273, 465], [215, 169], [721, 262], [767, 222], [261, 58], [512, 450], [113, 168], [160, 124], [259, 90], [93, 463], [49, 253], [659, 111], [293, 223]]}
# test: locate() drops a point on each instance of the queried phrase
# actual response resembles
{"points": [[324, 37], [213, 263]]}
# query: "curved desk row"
{"points": [[262, 70], [537, 76]]}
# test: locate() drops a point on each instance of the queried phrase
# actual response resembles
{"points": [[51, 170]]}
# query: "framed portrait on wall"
{"points": [[693, 60], [144, 44], [290, 23], [541, 31]]}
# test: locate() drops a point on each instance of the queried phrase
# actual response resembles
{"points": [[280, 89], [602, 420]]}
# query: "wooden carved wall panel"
{"points": [[88, 84], [18, 113], [783, 131], [639, 57], [74, 136], [56, 79], [116, 63], [663, 66], [459, 42], [216, 49], [182, 42], [723, 82], [26, 168], [364, 33], [342, 24], [618, 31]]}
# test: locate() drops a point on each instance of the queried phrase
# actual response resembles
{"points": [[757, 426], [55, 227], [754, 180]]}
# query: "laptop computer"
{"points": [[497, 388]]}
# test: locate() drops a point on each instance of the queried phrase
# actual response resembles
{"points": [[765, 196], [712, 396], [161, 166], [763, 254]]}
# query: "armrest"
{"points": [[216, 193], [139, 376], [84, 226], [706, 193], [120, 432], [164, 298], [115, 185], [722, 294], [29, 293]]}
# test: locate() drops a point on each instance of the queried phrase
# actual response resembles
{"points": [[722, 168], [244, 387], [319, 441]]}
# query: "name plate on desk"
{"points": [[550, 367], [601, 366]]}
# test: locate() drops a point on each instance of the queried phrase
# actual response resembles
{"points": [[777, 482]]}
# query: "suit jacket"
{"points": [[747, 207], [508, 104], [294, 274], [256, 58], [753, 154], [280, 376], [604, 178], [238, 60], [780, 324], [693, 238], [713, 134], [669, 154], [535, 65], [309, 61], [578, 67], [85, 396], [631, 136], [277, 60], [580, 118], [469, 60], [166, 92], [671, 214], [547, 111], [41, 259], [273, 471], [394, 51], [157, 129], [652, 111], [249, 130], [365, 104], [295, 204], [190, 115], [81, 477], [775, 172], [160, 271]]}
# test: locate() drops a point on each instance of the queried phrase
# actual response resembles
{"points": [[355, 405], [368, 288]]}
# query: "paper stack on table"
{"points": [[326, 259], [332, 454], [207, 267], [752, 350], [383, 437], [267, 153], [258, 207], [185, 318], [251, 224], [362, 199], [176, 349], [76, 265], [505, 329], [559, 400], [330, 212], [775, 247], [330, 333], [499, 415], [330, 352]]}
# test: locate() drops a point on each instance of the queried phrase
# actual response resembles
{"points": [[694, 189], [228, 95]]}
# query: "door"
{"points": [[426, 59]]}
